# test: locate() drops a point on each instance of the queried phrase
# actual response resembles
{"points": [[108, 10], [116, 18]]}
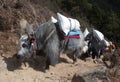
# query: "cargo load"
{"points": [[98, 34], [86, 32], [53, 19], [68, 25]]}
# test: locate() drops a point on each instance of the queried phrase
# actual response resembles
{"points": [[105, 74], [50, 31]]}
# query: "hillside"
{"points": [[11, 11]]}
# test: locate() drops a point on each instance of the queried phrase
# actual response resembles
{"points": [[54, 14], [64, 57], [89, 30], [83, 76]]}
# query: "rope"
{"points": [[65, 44]]}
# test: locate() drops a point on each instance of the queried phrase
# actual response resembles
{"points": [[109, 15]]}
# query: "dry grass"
{"points": [[11, 12], [14, 10]]}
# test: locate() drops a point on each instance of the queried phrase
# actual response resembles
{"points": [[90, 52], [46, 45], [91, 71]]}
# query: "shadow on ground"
{"points": [[38, 64]]}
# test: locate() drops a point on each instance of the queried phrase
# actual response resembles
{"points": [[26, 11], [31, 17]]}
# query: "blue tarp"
{"points": [[73, 32]]}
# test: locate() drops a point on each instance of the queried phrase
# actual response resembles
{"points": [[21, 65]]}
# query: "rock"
{"points": [[97, 74]]}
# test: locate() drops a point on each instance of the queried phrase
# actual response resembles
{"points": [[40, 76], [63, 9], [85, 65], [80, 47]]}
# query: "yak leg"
{"points": [[47, 64], [76, 54], [34, 54], [95, 55], [74, 58]]}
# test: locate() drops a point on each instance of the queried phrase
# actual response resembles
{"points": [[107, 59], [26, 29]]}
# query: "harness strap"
{"points": [[53, 30], [49, 33], [34, 42], [65, 44]]}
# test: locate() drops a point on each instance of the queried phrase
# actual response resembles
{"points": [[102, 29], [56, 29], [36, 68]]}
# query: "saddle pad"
{"points": [[73, 32], [71, 44]]}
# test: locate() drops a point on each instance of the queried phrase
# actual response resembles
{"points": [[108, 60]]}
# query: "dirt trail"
{"points": [[63, 72], [9, 71]]}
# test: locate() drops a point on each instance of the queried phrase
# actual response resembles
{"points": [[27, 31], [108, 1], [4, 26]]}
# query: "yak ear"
{"points": [[25, 27], [29, 29]]}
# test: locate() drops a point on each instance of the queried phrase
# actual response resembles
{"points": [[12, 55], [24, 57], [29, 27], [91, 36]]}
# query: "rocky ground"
{"points": [[63, 72], [10, 70]]}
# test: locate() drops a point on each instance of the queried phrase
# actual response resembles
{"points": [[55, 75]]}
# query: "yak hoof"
{"points": [[95, 61], [74, 62], [46, 70], [24, 66]]}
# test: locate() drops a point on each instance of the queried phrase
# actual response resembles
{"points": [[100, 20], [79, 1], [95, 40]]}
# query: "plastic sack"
{"points": [[67, 24], [98, 34], [53, 19], [64, 23], [86, 32], [106, 42], [74, 24]]}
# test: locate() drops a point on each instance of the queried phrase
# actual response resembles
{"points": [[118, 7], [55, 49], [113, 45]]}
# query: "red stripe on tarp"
{"points": [[77, 37]]}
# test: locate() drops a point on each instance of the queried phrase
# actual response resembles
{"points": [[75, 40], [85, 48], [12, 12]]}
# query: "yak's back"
{"points": [[44, 29]]}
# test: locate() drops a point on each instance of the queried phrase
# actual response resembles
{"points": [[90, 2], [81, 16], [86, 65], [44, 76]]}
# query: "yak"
{"points": [[47, 38]]}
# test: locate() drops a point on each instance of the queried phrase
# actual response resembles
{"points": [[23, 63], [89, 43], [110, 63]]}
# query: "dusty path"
{"points": [[63, 72]]}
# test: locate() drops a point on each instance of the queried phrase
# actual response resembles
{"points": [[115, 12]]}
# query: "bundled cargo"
{"points": [[98, 34], [106, 43], [74, 24], [53, 19], [68, 25], [86, 32]]}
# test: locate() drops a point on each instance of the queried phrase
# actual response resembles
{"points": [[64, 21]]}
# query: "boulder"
{"points": [[97, 74]]}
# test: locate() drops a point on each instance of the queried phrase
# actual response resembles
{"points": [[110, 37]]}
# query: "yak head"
{"points": [[26, 49], [25, 45]]}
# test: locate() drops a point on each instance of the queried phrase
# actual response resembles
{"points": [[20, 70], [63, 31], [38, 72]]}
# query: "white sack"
{"points": [[74, 24], [106, 42], [68, 24], [98, 34], [64, 23], [53, 19], [85, 47], [86, 32]]}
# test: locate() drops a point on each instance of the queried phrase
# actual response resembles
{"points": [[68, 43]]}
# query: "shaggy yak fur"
{"points": [[47, 38]]}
